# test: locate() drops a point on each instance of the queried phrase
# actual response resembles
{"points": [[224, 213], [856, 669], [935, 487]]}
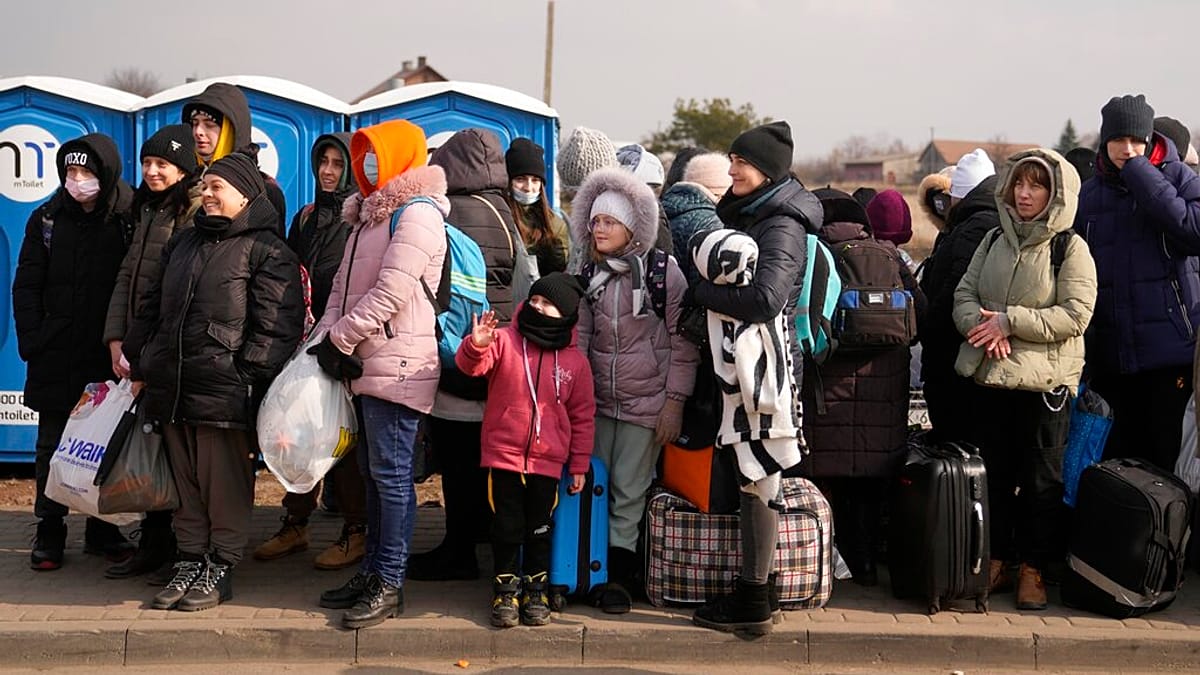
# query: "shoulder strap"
{"points": [[656, 281], [512, 250], [1058, 250], [993, 235], [405, 205]]}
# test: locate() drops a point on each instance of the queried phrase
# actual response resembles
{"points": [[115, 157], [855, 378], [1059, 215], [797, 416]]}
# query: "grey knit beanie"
{"points": [[584, 152]]}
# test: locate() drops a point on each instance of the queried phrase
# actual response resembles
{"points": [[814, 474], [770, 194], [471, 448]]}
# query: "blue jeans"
{"points": [[385, 458]]}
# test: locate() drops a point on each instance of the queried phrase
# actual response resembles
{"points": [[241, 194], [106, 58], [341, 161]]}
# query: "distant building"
{"points": [[940, 153], [407, 75], [882, 169]]}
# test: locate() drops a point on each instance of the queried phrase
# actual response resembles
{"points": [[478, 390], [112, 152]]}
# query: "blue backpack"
{"points": [[818, 300], [462, 291]]}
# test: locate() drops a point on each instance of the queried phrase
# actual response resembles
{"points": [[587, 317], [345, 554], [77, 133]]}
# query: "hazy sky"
{"points": [[971, 70]]}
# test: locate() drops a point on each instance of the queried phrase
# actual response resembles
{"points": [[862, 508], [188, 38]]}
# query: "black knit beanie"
{"points": [[191, 109], [78, 153], [563, 290], [1084, 161], [1176, 131], [1126, 116], [173, 143], [768, 147], [241, 172], [525, 158]]}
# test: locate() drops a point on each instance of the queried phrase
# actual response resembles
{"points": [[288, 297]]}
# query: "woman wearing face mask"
{"points": [[544, 232], [65, 274], [164, 203], [214, 331], [1022, 306]]}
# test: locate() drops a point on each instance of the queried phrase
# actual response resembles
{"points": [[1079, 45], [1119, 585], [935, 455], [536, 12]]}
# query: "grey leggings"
{"points": [[760, 530]]}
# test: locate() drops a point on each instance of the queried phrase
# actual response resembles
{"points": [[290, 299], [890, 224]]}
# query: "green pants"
{"points": [[629, 453]]}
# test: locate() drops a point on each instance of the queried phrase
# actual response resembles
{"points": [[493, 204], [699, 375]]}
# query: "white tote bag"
{"points": [[81, 448], [306, 422]]}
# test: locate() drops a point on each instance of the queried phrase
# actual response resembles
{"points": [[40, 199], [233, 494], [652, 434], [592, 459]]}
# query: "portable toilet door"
{"points": [[38, 115], [286, 119], [442, 108]]}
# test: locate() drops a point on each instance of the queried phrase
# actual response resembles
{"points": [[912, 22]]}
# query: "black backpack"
{"points": [[874, 310]]}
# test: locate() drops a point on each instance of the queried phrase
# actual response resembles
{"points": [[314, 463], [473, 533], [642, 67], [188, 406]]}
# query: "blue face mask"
{"points": [[525, 198], [370, 168]]}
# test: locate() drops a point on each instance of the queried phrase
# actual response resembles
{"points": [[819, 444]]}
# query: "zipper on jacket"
{"points": [[187, 302], [1187, 320], [616, 351]]}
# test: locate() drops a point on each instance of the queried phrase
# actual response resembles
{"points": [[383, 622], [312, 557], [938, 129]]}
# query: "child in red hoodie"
{"points": [[540, 416]]}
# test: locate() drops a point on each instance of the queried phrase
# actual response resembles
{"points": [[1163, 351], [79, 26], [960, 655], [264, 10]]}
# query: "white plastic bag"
{"points": [[306, 422], [1187, 466], [81, 448]]}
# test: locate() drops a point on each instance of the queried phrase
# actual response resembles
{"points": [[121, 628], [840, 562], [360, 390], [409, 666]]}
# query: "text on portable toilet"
{"points": [[13, 410], [268, 154], [27, 170]]}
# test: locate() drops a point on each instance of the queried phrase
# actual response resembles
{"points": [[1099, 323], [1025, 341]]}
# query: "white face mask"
{"points": [[83, 191], [371, 168], [525, 198]]}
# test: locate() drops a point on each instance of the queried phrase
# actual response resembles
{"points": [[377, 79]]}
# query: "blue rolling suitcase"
{"points": [[579, 542]]}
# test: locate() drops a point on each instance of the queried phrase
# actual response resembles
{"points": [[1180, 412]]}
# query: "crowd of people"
{"points": [[1053, 270]]}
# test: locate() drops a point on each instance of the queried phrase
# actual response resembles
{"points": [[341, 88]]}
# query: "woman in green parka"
{"points": [[1023, 306]]}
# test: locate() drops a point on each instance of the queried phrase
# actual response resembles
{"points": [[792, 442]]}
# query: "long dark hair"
{"points": [[532, 233]]}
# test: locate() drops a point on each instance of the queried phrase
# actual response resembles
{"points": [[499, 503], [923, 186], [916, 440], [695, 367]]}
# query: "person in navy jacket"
{"points": [[1140, 215]]}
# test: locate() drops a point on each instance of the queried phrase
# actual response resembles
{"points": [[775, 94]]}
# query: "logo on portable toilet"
{"points": [[27, 169], [268, 155]]}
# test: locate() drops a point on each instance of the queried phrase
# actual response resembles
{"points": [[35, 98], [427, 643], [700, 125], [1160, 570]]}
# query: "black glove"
{"points": [[351, 367], [330, 359]]}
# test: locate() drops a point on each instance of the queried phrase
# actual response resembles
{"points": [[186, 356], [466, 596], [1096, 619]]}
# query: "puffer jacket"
{"points": [[637, 361], [554, 248], [565, 399], [377, 309], [966, 225], [66, 270], [862, 432], [1142, 224], [318, 233], [778, 217], [218, 325], [1012, 274], [160, 216], [690, 208], [475, 170]]}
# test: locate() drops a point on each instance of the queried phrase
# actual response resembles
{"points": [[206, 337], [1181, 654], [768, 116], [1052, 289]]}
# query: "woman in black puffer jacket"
{"points": [[217, 328]]}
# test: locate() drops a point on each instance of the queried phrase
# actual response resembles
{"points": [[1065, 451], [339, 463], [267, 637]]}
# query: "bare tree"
{"points": [[135, 81]]}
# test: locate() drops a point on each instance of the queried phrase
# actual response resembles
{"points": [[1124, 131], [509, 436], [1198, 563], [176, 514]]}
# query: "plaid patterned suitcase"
{"points": [[692, 556]]}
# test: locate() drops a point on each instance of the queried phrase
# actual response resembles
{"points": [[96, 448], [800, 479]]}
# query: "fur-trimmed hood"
{"points": [[422, 181], [645, 207], [934, 181]]}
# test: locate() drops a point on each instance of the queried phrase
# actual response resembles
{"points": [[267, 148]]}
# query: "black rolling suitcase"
{"points": [[938, 543], [1131, 529]]}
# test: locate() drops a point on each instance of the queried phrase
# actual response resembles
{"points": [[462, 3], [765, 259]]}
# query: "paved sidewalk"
{"points": [[75, 616]]}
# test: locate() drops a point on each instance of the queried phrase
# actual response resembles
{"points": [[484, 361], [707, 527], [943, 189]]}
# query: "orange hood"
{"points": [[399, 145]]}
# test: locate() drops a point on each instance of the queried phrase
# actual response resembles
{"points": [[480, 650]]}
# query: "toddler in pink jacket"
{"points": [[540, 416]]}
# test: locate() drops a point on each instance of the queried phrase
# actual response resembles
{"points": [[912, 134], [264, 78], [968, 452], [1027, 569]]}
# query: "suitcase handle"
{"points": [[979, 534]]}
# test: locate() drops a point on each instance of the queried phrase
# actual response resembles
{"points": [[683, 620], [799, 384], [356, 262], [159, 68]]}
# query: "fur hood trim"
{"points": [[422, 181], [645, 206], [931, 182]]}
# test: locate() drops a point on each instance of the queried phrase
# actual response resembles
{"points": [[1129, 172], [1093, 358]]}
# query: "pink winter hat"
{"points": [[890, 217], [710, 170]]}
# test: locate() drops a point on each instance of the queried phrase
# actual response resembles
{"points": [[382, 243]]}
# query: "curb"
{"points": [[574, 642]]}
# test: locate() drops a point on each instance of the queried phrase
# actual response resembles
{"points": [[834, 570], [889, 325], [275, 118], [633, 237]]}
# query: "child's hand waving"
{"points": [[483, 328]]}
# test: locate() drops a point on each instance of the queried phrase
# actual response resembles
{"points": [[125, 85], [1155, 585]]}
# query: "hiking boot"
{"points": [[292, 537], [211, 588], [506, 611], [379, 601], [105, 539], [344, 596], [999, 580], [187, 569], [349, 549], [614, 599], [746, 610], [48, 545], [164, 574], [446, 562], [155, 548], [535, 605], [1031, 592]]}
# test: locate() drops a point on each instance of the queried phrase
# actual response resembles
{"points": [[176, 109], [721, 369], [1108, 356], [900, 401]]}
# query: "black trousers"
{"points": [[1025, 434], [50, 429], [949, 400], [464, 483], [1147, 413], [523, 506]]}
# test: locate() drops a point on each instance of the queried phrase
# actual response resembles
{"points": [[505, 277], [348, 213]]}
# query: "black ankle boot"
{"points": [[104, 538], [155, 548], [48, 545], [379, 601], [746, 610], [615, 597], [344, 596]]}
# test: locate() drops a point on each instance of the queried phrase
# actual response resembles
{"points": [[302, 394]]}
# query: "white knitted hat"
{"points": [[710, 170], [970, 171]]}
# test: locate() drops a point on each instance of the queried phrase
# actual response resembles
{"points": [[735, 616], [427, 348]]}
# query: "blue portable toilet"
{"points": [[442, 108], [286, 118], [38, 115]]}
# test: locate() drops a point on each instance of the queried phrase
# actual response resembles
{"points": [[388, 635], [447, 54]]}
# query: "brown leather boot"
{"points": [[1031, 592], [999, 580]]}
